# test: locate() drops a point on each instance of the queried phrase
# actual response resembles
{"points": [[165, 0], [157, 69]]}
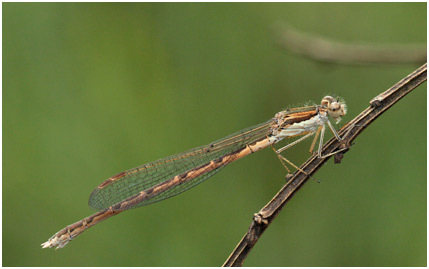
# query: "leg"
{"points": [[321, 141], [322, 134], [333, 131], [315, 139], [294, 142], [283, 159]]}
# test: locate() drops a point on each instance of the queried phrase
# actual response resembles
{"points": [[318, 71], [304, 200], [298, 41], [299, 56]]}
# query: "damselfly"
{"points": [[170, 176]]}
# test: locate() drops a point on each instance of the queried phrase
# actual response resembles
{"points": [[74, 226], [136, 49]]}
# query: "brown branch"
{"points": [[348, 132], [325, 50]]}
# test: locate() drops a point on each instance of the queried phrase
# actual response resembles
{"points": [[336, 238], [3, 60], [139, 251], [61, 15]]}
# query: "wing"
{"points": [[131, 182]]}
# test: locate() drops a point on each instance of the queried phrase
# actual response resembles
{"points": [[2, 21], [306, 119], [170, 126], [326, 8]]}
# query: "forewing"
{"points": [[131, 182]]}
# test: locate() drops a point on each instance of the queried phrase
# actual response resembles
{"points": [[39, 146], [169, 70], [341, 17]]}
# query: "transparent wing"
{"points": [[129, 183]]}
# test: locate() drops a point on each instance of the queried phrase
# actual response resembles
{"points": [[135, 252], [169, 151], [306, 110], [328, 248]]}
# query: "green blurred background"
{"points": [[90, 90]]}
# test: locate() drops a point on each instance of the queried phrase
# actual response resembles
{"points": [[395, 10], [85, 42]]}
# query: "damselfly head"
{"points": [[336, 107]]}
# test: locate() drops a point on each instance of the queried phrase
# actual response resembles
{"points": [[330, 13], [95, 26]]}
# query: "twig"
{"points": [[348, 132], [325, 50]]}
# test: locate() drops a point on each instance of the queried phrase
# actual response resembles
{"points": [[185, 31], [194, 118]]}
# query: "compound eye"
{"points": [[334, 106]]}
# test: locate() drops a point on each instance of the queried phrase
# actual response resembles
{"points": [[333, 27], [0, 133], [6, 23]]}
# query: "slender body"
{"points": [[170, 176]]}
